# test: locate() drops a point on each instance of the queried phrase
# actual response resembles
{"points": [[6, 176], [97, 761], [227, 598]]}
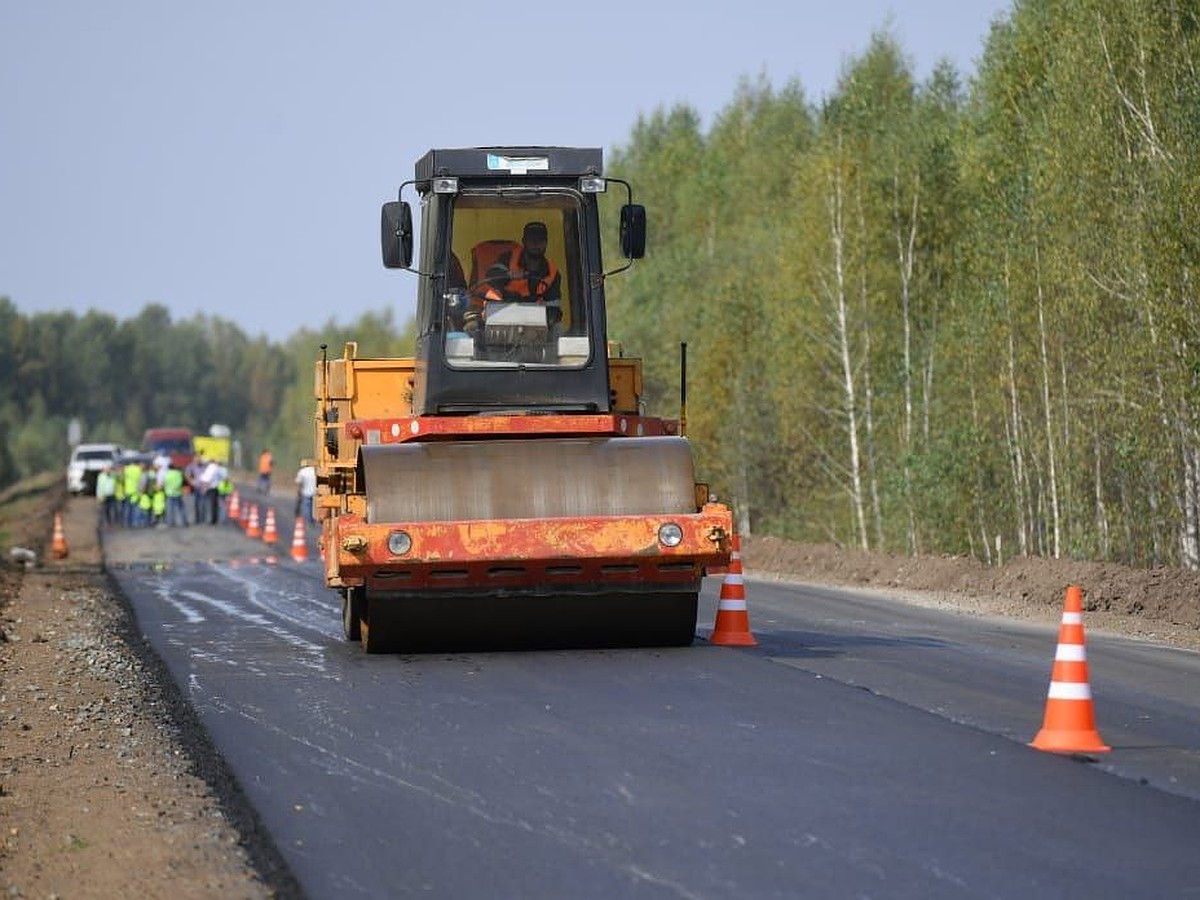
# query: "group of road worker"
{"points": [[144, 493]]}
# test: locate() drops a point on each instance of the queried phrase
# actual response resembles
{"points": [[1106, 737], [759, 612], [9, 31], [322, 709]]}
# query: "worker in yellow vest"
{"points": [[158, 506], [173, 492], [106, 496], [145, 506], [119, 494], [131, 475], [224, 489]]}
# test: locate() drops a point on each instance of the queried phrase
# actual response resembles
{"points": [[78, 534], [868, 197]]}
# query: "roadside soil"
{"points": [[1160, 604], [109, 787]]}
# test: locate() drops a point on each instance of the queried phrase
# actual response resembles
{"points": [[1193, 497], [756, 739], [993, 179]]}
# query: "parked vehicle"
{"points": [[177, 443], [217, 444], [87, 461]]}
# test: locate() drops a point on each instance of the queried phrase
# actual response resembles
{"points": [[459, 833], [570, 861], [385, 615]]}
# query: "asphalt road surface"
{"points": [[865, 748]]}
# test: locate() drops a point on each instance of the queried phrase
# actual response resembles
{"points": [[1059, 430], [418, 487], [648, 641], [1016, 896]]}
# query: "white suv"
{"points": [[87, 460]]}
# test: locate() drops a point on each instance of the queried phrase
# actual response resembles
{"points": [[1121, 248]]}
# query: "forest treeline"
{"points": [[947, 315], [119, 378], [943, 315]]}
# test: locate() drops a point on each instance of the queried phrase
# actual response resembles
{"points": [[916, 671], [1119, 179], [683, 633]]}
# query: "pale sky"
{"points": [[231, 157]]}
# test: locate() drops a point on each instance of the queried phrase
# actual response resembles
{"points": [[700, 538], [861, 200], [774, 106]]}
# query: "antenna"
{"points": [[682, 388]]}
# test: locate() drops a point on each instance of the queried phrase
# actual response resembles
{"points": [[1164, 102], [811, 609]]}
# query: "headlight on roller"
{"points": [[399, 543], [670, 535]]}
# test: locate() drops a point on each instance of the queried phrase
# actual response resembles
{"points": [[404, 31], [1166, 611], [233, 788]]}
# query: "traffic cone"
{"points": [[234, 511], [299, 544], [1069, 725], [252, 527], [269, 534], [732, 627], [58, 544]]}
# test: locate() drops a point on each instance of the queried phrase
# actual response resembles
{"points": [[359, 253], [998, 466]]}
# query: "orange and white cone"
{"points": [[1069, 725], [299, 544], [270, 535], [732, 627], [253, 529], [58, 543], [234, 511]]}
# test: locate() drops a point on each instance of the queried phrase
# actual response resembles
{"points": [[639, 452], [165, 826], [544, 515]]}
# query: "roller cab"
{"points": [[505, 486]]}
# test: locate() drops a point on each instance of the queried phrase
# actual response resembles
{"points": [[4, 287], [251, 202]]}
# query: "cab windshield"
{"points": [[514, 291]]}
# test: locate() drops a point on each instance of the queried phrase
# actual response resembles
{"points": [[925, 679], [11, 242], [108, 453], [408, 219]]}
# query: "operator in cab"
{"points": [[521, 275], [533, 276]]}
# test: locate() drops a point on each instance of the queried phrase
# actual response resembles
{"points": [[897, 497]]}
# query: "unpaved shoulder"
{"points": [[107, 785]]}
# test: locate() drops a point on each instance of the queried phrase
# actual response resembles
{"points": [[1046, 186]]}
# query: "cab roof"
{"points": [[492, 162]]}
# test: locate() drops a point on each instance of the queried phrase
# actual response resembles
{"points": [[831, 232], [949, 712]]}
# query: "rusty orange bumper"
{"points": [[523, 554]]}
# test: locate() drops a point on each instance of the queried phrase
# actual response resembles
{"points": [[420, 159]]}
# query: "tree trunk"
{"points": [[868, 390], [1012, 433], [837, 232], [1051, 467], [1103, 545], [905, 252]]}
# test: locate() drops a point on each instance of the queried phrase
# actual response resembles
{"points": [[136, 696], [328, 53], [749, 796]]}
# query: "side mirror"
{"points": [[396, 235], [633, 230]]}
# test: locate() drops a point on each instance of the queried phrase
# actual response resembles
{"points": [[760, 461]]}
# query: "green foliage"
{"points": [[120, 377], [964, 314]]}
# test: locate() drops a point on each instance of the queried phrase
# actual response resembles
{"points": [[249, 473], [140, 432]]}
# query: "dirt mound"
{"points": [[1167, 596]]}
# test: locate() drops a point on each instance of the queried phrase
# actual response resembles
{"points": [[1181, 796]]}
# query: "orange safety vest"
{"points": [[264, 463], [521, 283]]}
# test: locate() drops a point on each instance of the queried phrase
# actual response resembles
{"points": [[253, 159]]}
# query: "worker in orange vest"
{"points": [[532, 274], [266, 462]]}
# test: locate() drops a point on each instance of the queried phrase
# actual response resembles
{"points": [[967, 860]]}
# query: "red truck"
{"points": [[177, 443]]}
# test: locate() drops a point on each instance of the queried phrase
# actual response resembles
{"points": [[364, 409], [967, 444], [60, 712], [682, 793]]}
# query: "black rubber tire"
{"points": [[352, 611], [465, 623], [681, 615], [376, 629]]}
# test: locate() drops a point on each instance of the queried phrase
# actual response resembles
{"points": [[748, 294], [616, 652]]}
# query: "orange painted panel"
{"points": [[530, 552], [426, 428]]}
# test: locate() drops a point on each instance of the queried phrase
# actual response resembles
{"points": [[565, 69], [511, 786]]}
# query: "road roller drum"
{"points": [[528, 479]]}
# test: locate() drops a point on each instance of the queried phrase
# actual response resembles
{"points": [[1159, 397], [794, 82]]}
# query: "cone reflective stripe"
{"points": [[299, 545], [732, 627], [58, 544], [734, 594], [270, 535], [234, 513], [1069, 725], [253, 529]]}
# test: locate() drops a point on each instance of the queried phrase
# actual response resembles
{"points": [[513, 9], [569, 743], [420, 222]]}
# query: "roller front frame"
{"points": [[589, 555]]}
